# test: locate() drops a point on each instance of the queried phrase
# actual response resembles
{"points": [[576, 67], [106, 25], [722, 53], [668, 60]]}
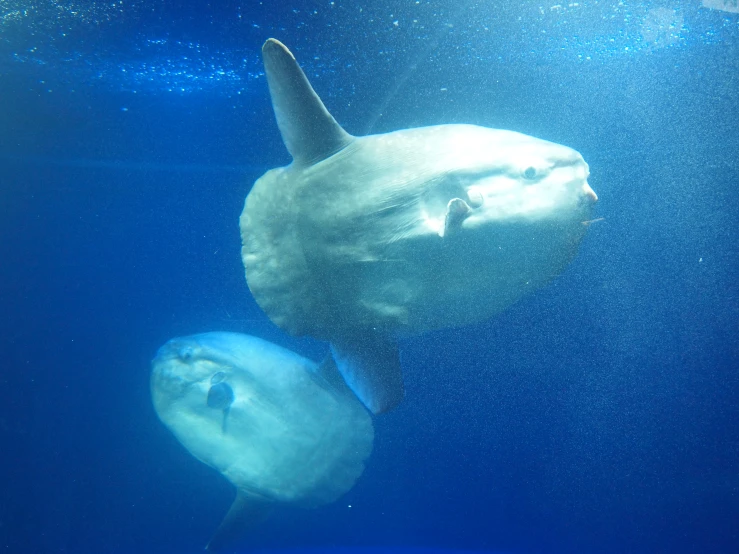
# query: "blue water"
{"points": [[600, 414]]}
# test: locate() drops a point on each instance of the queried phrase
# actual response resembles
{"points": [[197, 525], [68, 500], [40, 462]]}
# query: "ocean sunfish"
{"points": [[279, 427], [362, 240]]}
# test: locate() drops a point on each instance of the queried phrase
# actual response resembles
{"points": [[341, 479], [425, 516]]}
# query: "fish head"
{"points": [[510, 209], [531, 179], [208, 397], [195, 373], [492, 178]]}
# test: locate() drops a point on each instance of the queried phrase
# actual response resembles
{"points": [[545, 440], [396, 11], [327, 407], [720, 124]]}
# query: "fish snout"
{"points": [[589, 193]]}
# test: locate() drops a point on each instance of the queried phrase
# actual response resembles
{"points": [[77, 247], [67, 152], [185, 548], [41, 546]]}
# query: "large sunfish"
{"points": [[361, 240], [278, 426]]}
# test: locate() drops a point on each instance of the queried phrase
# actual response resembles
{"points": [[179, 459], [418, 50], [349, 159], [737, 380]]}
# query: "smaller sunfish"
{"points": [[278, 426]]}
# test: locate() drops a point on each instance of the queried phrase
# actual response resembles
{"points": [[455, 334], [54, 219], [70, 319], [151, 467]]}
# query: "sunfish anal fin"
{"points": [[370, 366], [246, 511], [329, 373], [457, 211], [308, 130]]}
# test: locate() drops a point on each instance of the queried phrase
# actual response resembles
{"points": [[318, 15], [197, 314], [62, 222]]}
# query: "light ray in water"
{"points": [[132, 166]]}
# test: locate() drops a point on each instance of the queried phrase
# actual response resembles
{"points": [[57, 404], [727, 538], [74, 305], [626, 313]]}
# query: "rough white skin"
{"points": [[357, 241], [723, 5], [290, 436]]}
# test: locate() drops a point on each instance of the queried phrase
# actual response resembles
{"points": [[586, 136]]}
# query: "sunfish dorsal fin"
{"points": [[309, 132]]}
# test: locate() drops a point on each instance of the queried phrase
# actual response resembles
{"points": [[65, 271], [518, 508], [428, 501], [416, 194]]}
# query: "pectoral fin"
{"points": [[370, 365], [457, 211], [246, 512]]}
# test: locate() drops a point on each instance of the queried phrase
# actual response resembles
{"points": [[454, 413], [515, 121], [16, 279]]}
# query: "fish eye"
{"points": [[217, 378], [529, 173], [185, 354]]}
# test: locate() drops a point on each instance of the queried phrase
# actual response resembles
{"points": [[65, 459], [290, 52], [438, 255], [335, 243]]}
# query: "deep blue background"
{"points": [[599, 415]]}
